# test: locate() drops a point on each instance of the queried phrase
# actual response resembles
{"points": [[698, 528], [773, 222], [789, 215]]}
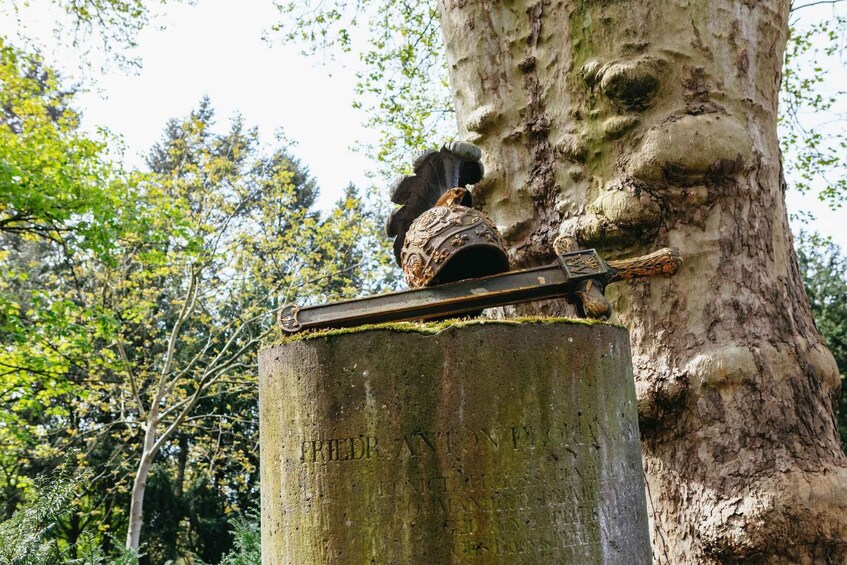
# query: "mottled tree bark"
{"points": [[633, 125]]}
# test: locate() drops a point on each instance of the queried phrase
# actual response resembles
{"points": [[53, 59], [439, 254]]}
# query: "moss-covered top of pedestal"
{"points": [[431, 328]]}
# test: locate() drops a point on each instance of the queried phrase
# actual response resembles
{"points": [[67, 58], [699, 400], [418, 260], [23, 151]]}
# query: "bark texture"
{"points": [[632, 125]]}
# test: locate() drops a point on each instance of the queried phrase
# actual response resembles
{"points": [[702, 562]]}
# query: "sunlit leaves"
{"points": [[96, 33], [124, 292], [54, 182], [812, 133]]}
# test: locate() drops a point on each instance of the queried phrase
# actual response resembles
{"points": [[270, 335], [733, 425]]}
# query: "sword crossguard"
{"points": [[589, 295]]}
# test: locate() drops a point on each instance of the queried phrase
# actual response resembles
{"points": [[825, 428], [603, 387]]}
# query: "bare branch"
{"points": [[133, 385], [186, 309], [816, 3]]}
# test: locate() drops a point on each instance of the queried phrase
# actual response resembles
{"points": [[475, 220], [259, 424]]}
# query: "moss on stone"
{"points": [[429, 328]]}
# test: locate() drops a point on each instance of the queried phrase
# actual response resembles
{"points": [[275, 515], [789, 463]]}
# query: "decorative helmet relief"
{"points": [[439, 237]]}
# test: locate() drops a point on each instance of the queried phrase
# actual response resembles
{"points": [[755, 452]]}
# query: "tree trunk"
{"points": [[73, 530], [139, 484], [182, 462], [632, 125]]}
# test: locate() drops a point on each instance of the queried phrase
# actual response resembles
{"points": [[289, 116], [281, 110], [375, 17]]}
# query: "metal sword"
{"points": [[567, 278]]}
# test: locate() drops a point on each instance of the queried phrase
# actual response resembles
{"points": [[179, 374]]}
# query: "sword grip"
{"points": [[662, 263]]}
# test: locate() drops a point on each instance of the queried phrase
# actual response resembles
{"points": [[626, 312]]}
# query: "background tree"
{"points": [[402, 86], [811, 132], [132, 307], [824, 269], [56, 182], [228, 234], [27, 537], [96, 32], [60, 197]]}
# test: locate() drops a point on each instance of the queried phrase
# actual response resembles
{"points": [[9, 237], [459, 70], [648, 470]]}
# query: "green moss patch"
{"points": [[431, 328]]}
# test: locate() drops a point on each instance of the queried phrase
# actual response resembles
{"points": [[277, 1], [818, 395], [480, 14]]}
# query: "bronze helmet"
{"points": [[438, 236], [451, 242]]}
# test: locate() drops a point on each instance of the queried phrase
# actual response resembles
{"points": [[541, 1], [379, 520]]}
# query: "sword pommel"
{"points": [[288, 318], [589, 293]]}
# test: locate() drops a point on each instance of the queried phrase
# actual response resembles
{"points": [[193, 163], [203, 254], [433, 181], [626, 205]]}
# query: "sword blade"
{"points": [[453, 299]]}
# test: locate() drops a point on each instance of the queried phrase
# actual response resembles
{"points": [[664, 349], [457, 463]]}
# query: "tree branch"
{"points": [[133, 385], [816, 3]]}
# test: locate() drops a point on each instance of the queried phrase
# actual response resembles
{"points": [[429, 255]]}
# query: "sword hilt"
{"points": [[662, 263], [589, 295]]}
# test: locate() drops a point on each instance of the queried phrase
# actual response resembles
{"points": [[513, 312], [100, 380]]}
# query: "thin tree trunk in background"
{"points": [[139, 485], [153, 417], [73, 532], [634, 125]]}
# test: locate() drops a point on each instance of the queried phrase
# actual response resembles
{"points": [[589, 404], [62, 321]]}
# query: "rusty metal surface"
{"points": [[451, 232]]}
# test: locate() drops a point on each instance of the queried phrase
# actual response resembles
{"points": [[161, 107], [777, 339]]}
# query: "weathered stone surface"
{"points": [[486, 443]]}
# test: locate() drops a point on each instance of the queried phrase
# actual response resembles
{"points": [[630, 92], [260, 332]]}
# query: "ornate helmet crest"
{"points": [[439, 237]]}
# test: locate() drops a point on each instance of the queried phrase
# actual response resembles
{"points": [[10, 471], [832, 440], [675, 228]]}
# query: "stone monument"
{"points": [[467, 442], [481, 442]]}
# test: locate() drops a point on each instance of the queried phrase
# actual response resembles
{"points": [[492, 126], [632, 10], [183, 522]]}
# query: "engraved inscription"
{"points": [[346, 449], [535, 505], [420, 443]]}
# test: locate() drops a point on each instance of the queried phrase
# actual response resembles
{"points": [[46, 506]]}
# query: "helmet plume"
{"points": [[457, 164]]}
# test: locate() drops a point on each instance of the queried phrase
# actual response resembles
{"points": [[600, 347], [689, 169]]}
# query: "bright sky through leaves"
{"points": [[216, 48]]}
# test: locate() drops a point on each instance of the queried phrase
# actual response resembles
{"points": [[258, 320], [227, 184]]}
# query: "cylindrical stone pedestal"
{"points": [[489, 442]]}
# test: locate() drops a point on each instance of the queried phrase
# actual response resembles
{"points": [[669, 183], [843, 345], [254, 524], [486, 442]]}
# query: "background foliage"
{"points": [[824, 268], [132, 306]]}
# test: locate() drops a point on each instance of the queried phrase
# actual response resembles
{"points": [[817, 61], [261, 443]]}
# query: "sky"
{"points": [[216, 48]]}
